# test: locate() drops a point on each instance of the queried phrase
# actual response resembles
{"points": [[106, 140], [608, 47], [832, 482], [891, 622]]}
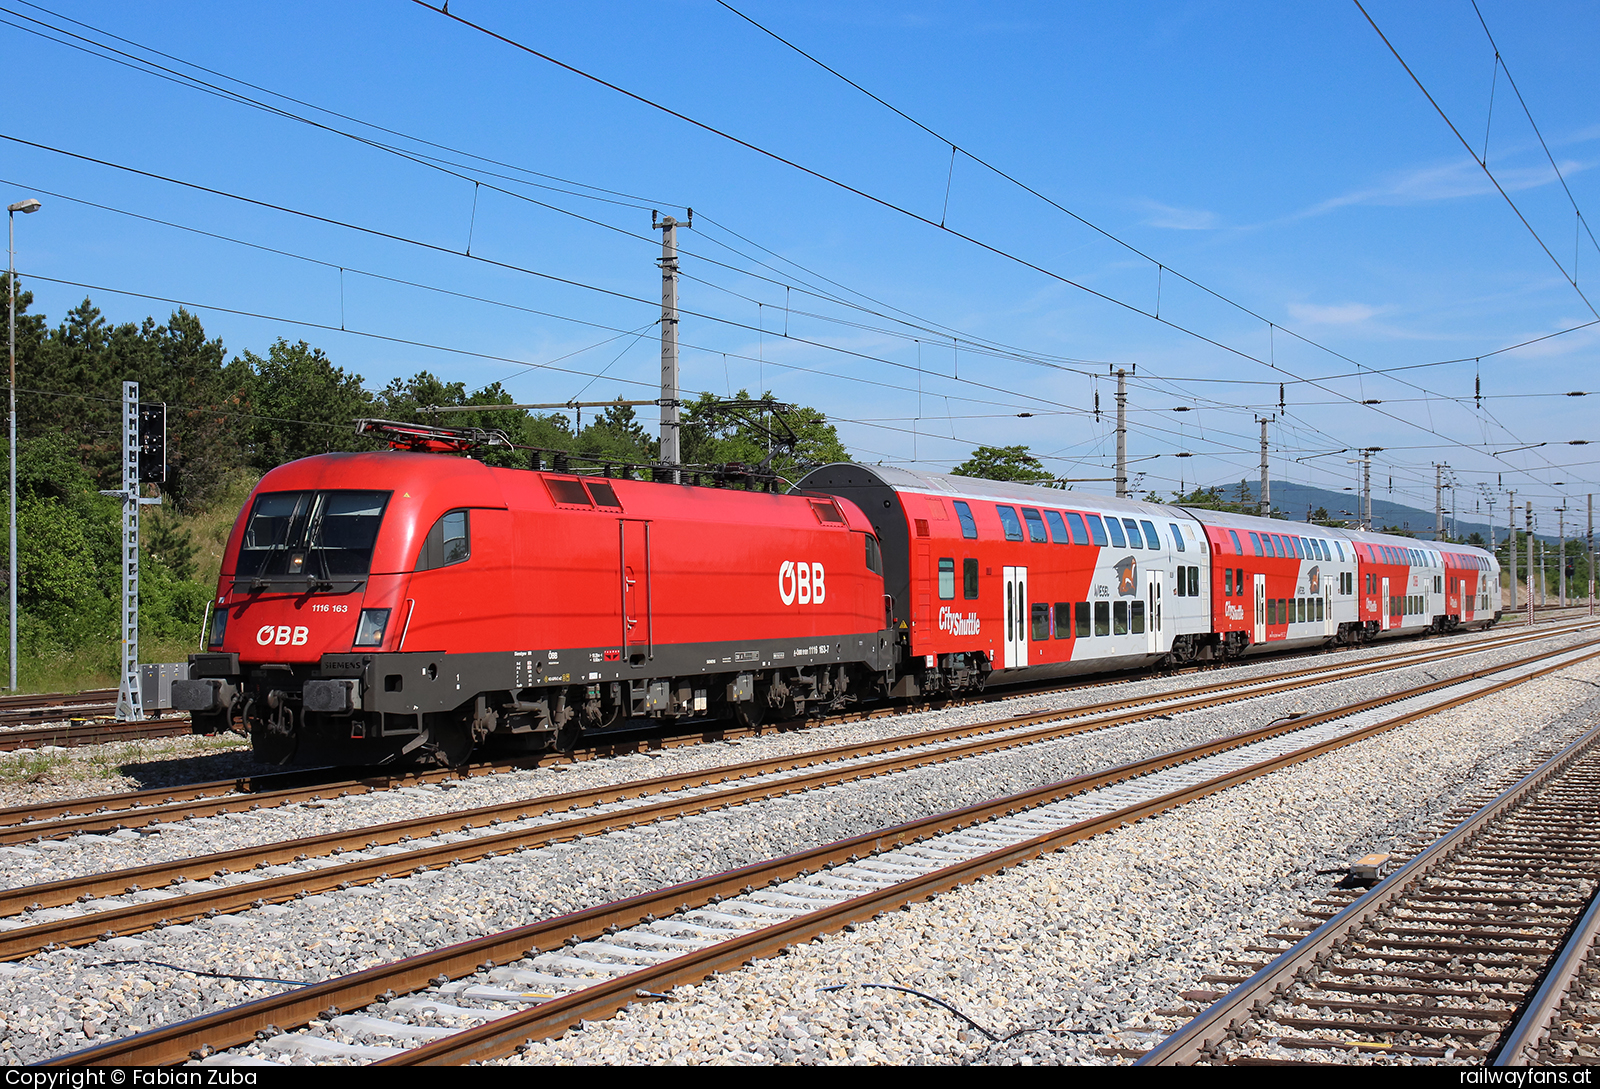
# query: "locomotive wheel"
{"points": [[749, 713], [452, 745]]}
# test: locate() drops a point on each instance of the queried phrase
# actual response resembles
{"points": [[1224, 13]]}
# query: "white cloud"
{"points": [[1348, 314], [1449, 182], [1178, 219]]}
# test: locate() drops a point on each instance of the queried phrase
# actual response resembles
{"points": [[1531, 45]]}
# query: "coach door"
{"points": [[1152, 598], [1327, 605], [637, 618], [1387, 605], [1016, 579], [1261, 609]]}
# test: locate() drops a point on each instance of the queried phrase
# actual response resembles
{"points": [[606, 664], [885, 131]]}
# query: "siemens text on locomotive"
{"points": [[386, 606]]}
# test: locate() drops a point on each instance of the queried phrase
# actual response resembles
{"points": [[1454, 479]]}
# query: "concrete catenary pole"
{"points": [[1561, 556], [669, 338], [1438, 502], [1589, 541], [1266, 481], [1122, 433], [1366, 490], [1511, 547], [1529, 518]]}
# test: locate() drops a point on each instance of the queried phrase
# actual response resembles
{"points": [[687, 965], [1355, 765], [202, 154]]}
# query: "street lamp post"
{"points": [[27, 206]]}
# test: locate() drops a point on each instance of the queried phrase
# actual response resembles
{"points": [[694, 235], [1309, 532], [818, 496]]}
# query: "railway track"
{"points": [[1469, 953], [107, 813], [584, 965]]}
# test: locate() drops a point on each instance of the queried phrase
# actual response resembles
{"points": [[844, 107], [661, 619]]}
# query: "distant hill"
{"points": [[1295, 500]]}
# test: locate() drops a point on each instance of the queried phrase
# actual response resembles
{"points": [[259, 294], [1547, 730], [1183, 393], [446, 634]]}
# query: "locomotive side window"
{"points": [[874, 554], [969, 579], [448, 542], [1009, 520], [826, 510], [947, 579], [969, 528], [568, 491], [1058, 528], [1036, 532], [606, 496]]}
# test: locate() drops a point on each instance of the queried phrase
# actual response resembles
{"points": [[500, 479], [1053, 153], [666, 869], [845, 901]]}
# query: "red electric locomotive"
{"points": [[374, 606]]}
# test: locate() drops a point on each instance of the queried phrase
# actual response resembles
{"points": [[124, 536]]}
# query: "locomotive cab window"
{"points": [[449, 542], [300, 534]]}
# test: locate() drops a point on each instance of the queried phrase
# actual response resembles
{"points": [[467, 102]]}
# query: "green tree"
{"points": [[302, 404], [1004, 463], [713, 436]]}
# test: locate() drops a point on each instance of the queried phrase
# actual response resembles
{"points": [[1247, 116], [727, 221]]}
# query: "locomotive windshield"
{"points": [[321, 535]]}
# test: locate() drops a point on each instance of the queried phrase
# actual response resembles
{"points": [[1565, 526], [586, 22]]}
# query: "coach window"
{"points": [[969, 579], [1058, 528], [874, 554], [1138, 617], [1041, 621], [1036, 532], [1009, 520], [447, 543], [1134, 540], [1182, 587], [1255, 542], [1119, 618], [1102, 618], [1227, 582], [1063, 620], [1097, 530], [1080, 616], [1194, 582], [1151, 539], [1114, 527], [1177, 537], [969, 528], [1080, 535], [1238, 549], [947, 579]]}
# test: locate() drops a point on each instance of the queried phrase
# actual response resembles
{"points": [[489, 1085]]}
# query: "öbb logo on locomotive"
{"points": [[282, 635], [803, 582]]}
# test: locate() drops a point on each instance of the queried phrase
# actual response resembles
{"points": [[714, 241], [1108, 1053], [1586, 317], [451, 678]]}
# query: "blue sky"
{"points": [[1277, 156]]}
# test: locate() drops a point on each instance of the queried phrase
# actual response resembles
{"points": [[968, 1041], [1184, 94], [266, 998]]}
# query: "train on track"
{"points": [[380, 607]]}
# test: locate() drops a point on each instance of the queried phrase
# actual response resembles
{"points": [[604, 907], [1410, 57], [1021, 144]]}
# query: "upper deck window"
{"points": [[1255, 542], [1114, 527], [1010, 522], [1153, 540], [311, 534], [1036, 532], [1079, 534], [1058, 528], [1234, 534], [1097, 530], [969, 528], [1134, 539]]}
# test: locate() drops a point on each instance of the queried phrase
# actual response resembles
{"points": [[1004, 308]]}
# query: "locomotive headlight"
{"points": [[369, 633]]}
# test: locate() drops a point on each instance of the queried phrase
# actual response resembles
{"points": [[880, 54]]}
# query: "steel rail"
{"points": [[21, 824], [123, 920], [1199, 1040], [77, 888], [227, 1028], [1520, 1045]]}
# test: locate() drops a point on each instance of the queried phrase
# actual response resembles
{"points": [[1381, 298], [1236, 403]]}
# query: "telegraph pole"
{"points": [[669, 337], [1122, 433]]}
